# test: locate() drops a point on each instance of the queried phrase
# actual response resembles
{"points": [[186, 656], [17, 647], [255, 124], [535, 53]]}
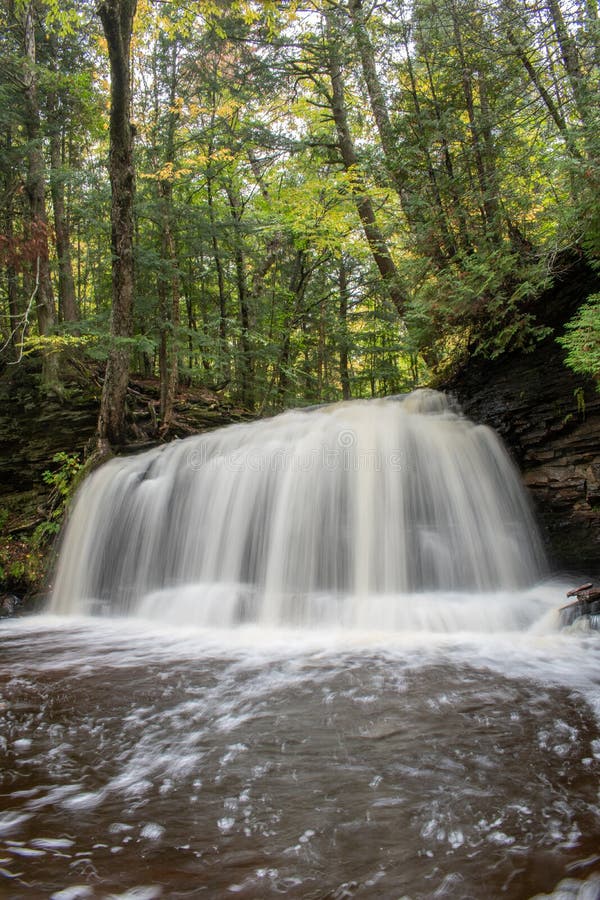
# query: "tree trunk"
{"points": [[376, 97], [168, 282], [67, 304], [489, 199], [275, 243], [570, 57], [462, 231], [343, 320], [168, 292], [247, 369], [375, 239], [14, 338], [36, 194], [218, 262], [536, 80], [592, 30], [117, 21], [446, 248]]}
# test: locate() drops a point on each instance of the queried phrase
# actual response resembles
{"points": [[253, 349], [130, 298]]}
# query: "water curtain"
{"points": [[284, 519]]}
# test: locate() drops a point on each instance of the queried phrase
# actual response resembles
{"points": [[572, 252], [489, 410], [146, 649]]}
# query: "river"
{"points": [[316, 656], [144, 760]]}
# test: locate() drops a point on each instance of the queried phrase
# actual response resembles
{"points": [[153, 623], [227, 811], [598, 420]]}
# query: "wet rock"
{"points": [[34, 427], [549, 418], [10, 605]]}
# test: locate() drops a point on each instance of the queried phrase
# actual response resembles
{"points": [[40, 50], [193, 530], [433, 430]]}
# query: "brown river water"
{"points": [[141, 761]]}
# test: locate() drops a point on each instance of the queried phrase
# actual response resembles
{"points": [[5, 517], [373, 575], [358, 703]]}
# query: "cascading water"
{"points": [[397, 717], [335, 515]]}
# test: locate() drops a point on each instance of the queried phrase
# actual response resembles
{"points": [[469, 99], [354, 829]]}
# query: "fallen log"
{"points": [[586, 606], [583, 587]]}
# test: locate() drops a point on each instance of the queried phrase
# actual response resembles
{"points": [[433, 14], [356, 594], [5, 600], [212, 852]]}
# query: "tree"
{"points": [[42, 289], [117, 18], [58, 122], [364, 205], [321, 202]]}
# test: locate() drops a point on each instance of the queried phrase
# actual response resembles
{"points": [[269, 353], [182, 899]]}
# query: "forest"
{"points": [[332, 649], [314, 200], [258, 205]]}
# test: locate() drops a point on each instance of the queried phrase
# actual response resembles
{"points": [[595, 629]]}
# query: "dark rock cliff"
{"points": [[550, 419], [34, 427]]}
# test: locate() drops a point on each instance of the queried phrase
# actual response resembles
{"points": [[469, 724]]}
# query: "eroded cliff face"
{"points": [[550, 419]]}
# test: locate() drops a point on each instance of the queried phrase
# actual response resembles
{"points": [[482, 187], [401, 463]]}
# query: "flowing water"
{"points": [[312, 657], [351, 500]]}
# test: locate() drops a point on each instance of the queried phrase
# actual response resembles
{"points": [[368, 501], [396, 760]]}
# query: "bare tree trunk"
{"points": [[168, 282], [343, 319], [592, 29], [247, 369], [14, 338], [67, 304], [117, 21], [483, 164], [489, 154], [169, 293], [447, 247], [570, 57], [463, 238], [36, 193], [546, 97], [376, 97], [375, 239], [274, 245], [218, 262]]}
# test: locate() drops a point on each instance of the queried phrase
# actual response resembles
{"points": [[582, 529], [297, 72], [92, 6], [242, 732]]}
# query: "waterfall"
{"points": [[334, 514]]}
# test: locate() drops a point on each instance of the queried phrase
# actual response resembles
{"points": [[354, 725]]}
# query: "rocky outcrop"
{"points": [[550, 419], [33, 427]]}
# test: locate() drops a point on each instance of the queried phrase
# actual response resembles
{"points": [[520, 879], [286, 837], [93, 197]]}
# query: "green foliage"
{"points": [[475, 173], [579, 395], [62, 482], [23, 554], [21, 563], [44, 533], [582, 339], [16, 570]]}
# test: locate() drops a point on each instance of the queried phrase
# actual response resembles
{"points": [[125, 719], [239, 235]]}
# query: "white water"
{"points": [[388, 514]]}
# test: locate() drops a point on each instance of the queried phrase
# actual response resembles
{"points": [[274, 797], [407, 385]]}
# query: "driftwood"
{"points": [[586, 606], [583, 587]]}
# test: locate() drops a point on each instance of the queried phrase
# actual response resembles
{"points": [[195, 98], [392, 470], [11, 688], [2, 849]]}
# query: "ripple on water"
{"points": [[414, 768]]}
